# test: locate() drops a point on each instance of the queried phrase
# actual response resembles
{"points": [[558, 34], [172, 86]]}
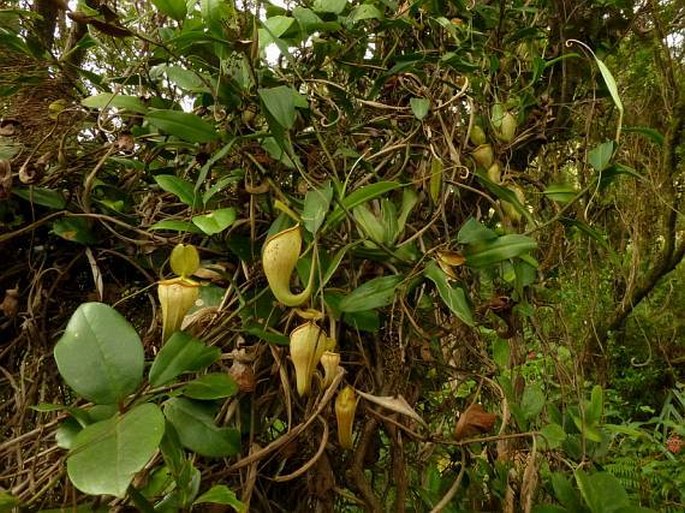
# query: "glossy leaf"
{"points": [[565, 493], [175, 9], [100, 355], [332, 6], [600, 156], [222, 494], [316, 205], [184, 125], [194, 423], [454, 297], [75, 229], [361, 195], [498, 250], [533, 401], [610, 82], [216, 221], [216, 385], [104, 100], [472, 232], [41, 196], [420, 107], [560, 192], [375, 293], [601, 491], [552, 435], [181, 353], [106, 455], [281, 102], [365, 12], [182, 189], [174, 225]]}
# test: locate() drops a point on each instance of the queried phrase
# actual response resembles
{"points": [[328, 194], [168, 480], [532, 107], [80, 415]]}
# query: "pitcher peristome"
{"points": [[279, 257]]}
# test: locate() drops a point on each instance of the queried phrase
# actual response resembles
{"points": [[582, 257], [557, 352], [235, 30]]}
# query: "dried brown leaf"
{"points": [[474, 421]]}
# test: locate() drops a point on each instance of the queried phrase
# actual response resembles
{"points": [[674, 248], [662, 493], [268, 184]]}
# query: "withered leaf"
{"points": [[397, 404], [474, 421]]}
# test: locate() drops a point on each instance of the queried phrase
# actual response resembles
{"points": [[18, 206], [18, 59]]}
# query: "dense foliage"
{"points": [[334, 255]]}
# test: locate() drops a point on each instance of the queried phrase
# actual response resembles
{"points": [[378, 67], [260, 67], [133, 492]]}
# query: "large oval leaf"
{"points": [[106, 455], [184, 125], [375, 293], [194, 423], [100, 355]]}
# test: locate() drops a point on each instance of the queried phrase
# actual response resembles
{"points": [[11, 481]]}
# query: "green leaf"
{"points": [[41, 196], [371, 226], [256, 329], [8, 502], [650, 133], [549, 508], [104, 100], [503, 248], [175, 9], [593, 410], [175, 225], [600, 156], [533, 401], [280, 102], [216, 385], [100, 355], [274, 27], [8, 151], [183, 190], [106, 455], [216, 14], [501, 353], [602, 492], [365, 12], [74, 229], [560, 192], [361, 195], [221, 494], [184, 78], [181, 353], [611, 83], [409, 200], [194, 423], [184, 125], [454, 298], [66, 433], [316, 205], [565, 493], [552, 436], [473, 231], [332, 6], [420, 107], [216, 221], [375, 293]]}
